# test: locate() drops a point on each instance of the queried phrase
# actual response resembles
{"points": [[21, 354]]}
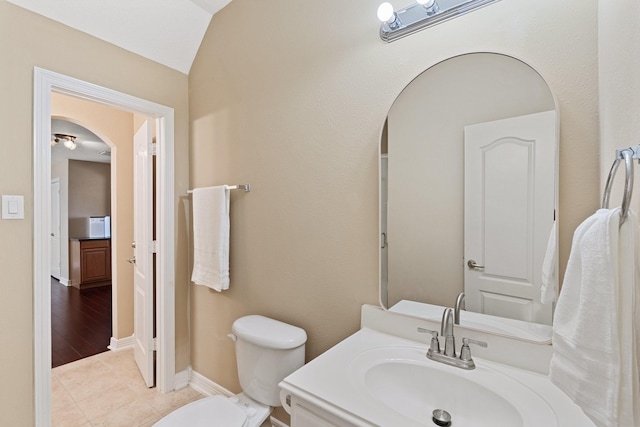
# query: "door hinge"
{"points": [[154, 149], [154, 344], [153, 247]]}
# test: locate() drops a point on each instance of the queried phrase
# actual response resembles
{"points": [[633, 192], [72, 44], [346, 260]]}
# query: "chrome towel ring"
{"points": [[626, 154]]}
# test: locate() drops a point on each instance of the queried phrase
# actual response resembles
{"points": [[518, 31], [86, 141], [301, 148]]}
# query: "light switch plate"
{"points": [[12, 207]]}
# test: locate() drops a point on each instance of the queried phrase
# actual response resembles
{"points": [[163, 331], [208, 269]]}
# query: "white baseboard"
{"points": [[64, 281], [116, 344], [276, 422], [205, 386], [182, 378]]}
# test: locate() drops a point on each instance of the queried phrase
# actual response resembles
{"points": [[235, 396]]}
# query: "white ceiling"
{"points": [[89, 145], [165, 31]]}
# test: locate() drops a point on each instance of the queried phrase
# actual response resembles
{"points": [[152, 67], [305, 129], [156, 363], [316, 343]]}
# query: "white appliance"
{"points": [[99, 226], [107, 226]]}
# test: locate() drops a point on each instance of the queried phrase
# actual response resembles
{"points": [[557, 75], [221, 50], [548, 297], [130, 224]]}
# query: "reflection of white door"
{"points": [[509, 213], [55, 228], [143, 328]]}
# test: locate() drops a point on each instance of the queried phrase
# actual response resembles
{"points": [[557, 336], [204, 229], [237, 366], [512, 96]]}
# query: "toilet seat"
{"points": [[218, 411], [208, 412]]}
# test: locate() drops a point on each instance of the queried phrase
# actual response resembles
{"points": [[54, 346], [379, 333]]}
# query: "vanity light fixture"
{"points": [[422, 14], [69, 141]]}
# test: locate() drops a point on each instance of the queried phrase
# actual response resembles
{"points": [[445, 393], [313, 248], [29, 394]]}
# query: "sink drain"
{"points": [[441, 417]]}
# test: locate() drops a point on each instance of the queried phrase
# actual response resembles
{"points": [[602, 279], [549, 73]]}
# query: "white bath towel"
{"points": [[549, 288], [594, 339], [211, 237]]}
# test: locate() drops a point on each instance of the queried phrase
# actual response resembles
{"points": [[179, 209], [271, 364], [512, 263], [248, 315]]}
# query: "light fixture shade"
{"points": [[70, 144], [385, 12]]}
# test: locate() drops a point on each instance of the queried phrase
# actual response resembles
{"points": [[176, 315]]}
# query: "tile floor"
{"points": [[107, 390]]}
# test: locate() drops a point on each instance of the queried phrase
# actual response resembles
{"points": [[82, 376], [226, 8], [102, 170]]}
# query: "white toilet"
{"points": [[266, 352]]}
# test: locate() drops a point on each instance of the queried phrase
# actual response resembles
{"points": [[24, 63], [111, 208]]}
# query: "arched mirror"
{"points": [[468, 196]]}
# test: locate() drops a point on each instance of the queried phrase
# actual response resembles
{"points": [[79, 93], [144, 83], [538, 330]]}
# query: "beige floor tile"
{"points": [[192, 399], [150, 423], [138, 386], [57, 389], [134, 414], [92, 382], [106, 401], [165, 403], [77, 365], [67, 414], [79, 370], [107, 390], [116, 359]]}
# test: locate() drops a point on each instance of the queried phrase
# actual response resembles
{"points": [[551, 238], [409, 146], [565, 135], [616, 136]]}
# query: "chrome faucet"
{"points": [[446, 330], [460, 305], [448, 356]]}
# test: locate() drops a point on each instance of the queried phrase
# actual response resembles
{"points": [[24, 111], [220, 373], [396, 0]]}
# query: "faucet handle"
{"points": [[467, 341], [465, 351], [435, 344]]}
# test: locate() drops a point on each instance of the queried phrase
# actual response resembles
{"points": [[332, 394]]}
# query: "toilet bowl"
{"points": [[267, 350]]}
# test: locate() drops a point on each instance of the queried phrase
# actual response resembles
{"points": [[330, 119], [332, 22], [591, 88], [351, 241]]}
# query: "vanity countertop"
{"points": [[84, 239], [329, 383]]}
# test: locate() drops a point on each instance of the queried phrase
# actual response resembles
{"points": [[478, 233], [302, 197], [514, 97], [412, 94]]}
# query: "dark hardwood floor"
{"points": [[80, 322]]}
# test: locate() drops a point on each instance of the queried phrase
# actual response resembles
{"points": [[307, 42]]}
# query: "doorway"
{"points": [[46, 83], [84, 134]]}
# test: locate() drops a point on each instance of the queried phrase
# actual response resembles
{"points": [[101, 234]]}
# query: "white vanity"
{"points": [[380, 376]]}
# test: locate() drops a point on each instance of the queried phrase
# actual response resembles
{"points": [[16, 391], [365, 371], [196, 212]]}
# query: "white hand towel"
{"points": [[629, 323], [549, 288], [211, 237], [595, 354]]}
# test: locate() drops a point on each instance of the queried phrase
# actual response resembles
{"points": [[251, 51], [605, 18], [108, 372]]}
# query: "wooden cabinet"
{"points": [[90, 262]]}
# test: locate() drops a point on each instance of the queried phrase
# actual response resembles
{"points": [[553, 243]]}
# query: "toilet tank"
{"points": [[267, 350]]}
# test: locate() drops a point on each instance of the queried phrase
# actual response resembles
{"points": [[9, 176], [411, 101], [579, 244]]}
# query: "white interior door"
{"points": [[55, 228], [143, 326], [509, 213]]}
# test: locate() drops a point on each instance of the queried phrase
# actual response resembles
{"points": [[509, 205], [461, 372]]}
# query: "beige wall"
{"points": [[28, 40], [89, 193], [116, 128], [619, 79], [426, 165], [291, 98]]}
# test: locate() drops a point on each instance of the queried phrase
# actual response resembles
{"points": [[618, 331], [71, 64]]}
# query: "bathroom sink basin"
{"points": [[406, 382]]}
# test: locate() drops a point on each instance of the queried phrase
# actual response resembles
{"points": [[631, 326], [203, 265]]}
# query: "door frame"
{"points": [[46, 82], [54, 181]]}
